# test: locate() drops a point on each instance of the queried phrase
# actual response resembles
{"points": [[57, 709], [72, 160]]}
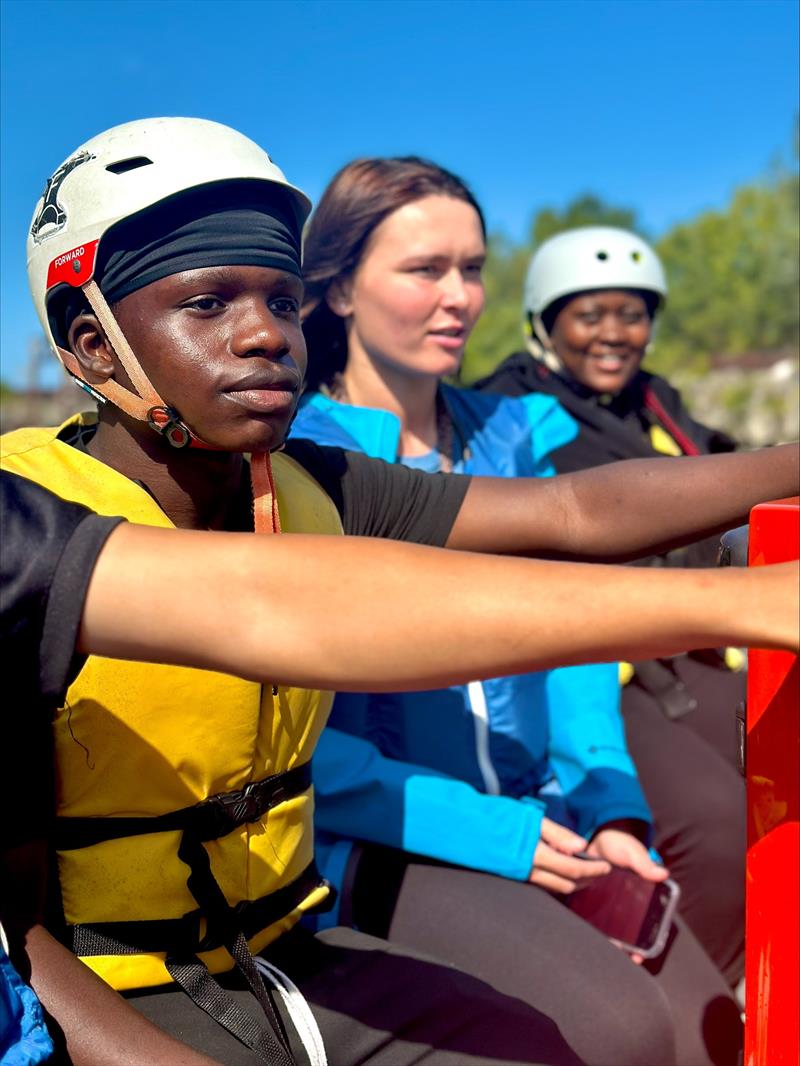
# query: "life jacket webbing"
{"points": [[182, 936], [652, 403], [270, 1044], [211, 818], [266, 518]]}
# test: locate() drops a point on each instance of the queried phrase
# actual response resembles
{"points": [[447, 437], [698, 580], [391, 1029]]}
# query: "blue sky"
{"points": [[663, 105]]}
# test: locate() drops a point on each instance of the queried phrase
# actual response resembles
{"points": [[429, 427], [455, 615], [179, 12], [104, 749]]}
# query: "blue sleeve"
{"points": [[24, 1039], [588, 751], [551, 428], [362, 794], [587, 747]]}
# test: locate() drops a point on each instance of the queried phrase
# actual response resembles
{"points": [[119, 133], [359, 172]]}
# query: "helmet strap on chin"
{"points": [[540, 346], [147, 406], [266, 518]]}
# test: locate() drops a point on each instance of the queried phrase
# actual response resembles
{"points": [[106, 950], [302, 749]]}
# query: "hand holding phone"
{"points": [[560, 863], [634, 913]]}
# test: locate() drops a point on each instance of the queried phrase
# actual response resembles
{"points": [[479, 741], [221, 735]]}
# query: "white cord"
{"points": [[298, 1010]]}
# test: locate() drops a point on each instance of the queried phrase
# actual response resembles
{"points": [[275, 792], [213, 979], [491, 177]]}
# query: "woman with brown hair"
{"points": [[437, 812]]}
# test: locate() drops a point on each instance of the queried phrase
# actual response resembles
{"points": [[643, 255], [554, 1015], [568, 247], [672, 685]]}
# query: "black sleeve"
{"points": [[49, 548], [378, 499]]}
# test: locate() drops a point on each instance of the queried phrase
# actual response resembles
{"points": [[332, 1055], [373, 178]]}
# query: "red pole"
{"points": [[772, 977]]}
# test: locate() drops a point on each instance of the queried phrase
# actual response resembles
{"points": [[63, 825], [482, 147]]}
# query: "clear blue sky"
{"points": [[663, 105]]}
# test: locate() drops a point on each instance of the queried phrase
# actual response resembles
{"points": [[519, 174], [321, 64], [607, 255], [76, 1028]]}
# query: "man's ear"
{"points": [[89, 344], [338, 297]]}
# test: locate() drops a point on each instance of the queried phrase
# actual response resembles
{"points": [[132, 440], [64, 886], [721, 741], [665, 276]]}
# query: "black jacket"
{"points": [[616, 427]]}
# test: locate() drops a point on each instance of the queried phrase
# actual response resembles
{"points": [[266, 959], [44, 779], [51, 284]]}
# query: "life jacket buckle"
{"points": [[221, 814], [243, 806]]}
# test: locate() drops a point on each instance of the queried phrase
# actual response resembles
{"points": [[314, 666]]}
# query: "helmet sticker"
{"points": [[52, 217], [74, 267]]}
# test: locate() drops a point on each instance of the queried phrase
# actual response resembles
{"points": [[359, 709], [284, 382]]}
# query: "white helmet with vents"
{"points": [[121, 172], [591, 257]]}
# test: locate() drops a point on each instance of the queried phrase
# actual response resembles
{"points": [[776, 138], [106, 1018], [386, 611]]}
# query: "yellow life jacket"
{"points": [[140, 741]]}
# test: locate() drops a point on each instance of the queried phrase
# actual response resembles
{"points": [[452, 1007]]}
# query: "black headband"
{"points": [[236, 224]]}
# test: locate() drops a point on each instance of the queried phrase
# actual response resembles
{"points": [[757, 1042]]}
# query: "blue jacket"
{"points": [[24, 1039], [465, 774]]}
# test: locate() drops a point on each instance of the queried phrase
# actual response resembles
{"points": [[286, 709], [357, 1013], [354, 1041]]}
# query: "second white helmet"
{"points": [[591, 257]]}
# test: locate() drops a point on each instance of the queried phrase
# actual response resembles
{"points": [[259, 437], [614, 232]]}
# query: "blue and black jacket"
{"points": [[465, 774]]}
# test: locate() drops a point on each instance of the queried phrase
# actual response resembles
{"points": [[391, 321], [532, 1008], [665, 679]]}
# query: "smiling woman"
{"points": [[601, 338], [592, 297]]}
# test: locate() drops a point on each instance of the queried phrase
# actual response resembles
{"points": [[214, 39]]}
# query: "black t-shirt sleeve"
{"points": [[49, 549], [378, 499]]}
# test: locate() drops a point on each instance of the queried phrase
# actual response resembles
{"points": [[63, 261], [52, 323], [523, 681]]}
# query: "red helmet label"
{"points": [[74, 267]]}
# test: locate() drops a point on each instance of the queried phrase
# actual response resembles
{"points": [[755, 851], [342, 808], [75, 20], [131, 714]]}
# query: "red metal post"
{"points": [[772, 1026]]}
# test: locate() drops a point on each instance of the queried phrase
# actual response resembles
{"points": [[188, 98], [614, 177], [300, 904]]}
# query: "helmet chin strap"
{"points": [[165, 420], [541, 347]]}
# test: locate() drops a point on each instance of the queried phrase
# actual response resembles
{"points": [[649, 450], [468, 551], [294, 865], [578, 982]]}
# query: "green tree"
{"points": [[499, 330], [734, 278], [586, 210]]}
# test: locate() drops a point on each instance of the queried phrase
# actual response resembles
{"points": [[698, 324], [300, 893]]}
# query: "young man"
{"points": [[164, 261], [64, 572]]}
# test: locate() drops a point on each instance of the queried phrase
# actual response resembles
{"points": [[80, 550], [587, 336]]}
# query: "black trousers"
{"points": [[527, 944], [687, 767], [379, 1004]]}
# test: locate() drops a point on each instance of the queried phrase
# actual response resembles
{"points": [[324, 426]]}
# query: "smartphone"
{"points": [[633, 913]]}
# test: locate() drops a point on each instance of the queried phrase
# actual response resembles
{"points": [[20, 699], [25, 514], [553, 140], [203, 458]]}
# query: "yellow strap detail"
{"points": [[662, 442]]}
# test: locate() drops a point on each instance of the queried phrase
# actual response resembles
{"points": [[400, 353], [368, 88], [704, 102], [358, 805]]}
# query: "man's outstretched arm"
{"points": [[362, 614], [623, 510]]}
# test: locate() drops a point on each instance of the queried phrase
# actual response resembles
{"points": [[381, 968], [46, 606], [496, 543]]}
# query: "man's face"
{"points": [[224, 347]]}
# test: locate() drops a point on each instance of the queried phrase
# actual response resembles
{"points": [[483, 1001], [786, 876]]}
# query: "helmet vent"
{"points": [[124, 165], [600, 255]]}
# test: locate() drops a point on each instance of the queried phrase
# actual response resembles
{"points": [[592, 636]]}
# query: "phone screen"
{"points": [[629, 910]]}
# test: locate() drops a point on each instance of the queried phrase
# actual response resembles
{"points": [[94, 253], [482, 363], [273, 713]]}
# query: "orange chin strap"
{"points": [[165, 420], [265, 499]]}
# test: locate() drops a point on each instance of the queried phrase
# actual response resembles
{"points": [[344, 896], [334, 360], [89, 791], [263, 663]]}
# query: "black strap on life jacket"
{"points": [[226, 926], [191, 933], [208, 820], [193, 977]]}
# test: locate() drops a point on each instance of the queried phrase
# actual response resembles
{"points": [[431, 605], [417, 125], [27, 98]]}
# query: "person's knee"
{"points": [[624, 1015], [644, 1028]]}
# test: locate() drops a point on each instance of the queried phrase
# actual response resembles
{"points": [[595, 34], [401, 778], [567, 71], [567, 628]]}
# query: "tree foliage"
{"points": [[734, 278], [587, 210]]}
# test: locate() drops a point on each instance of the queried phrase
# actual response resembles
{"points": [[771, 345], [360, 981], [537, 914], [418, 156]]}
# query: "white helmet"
{"points": [[121, 172], [591, 257], [110, 178]]}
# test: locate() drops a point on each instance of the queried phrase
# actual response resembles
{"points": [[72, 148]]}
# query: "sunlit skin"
{"points": [[223, 345], [601, 338], [410, 308]]}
